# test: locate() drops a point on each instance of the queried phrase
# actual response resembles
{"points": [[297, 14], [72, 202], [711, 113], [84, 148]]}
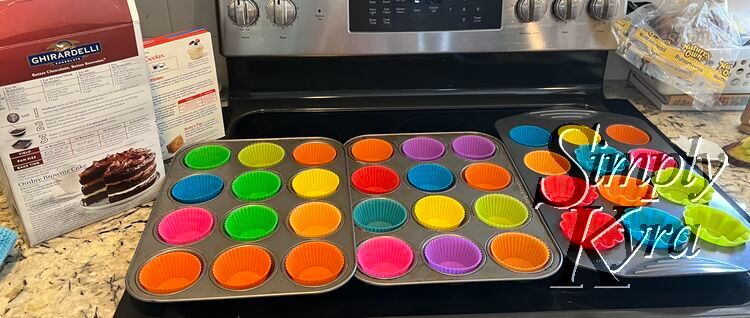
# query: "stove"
{"points": [[341, 69]]}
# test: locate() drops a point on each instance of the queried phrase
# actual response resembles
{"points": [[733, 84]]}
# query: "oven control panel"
{"points": [[388, 27]]}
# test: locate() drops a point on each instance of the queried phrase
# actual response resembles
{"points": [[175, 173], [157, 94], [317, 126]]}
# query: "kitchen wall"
{"points": [[160, 17]]}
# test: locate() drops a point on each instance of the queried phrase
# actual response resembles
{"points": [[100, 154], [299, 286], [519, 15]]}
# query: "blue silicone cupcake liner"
{"points": [[380, 215], [532, 136], [612, 160], [430, 177], [7, 241], [645, 217], [197, 189]]}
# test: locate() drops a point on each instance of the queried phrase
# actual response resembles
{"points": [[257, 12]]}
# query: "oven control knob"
{"points": [[566, 9], [243, 12], [531, 10], [604, 9], [281, 12]]}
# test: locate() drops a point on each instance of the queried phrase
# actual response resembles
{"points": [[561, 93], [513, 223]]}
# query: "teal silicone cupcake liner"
{"points": [[380, 215]]}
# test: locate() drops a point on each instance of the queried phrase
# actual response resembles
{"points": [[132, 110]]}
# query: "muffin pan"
{"points": [[248, 218], [641, 151], [441, 208]]}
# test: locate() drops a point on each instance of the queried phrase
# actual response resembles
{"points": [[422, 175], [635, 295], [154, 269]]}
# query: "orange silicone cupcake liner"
{"points": [[314, 154], [487, 177], [520, 252], [170, 273], [315, 219], [626, 191], [242, 267], [546, 163], [372, 150], [628, 135], [314, 263]]}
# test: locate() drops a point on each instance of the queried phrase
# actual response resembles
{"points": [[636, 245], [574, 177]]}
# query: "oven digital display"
{"points": [[423, 15]]}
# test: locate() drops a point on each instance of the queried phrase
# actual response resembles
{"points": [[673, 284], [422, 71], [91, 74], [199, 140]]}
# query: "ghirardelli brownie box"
{"points": [[77, 125]]}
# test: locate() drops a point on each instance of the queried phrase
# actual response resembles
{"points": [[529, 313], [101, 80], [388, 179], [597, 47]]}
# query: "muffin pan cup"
{"points": [[712, 258], [471, 228], [278, 244]]}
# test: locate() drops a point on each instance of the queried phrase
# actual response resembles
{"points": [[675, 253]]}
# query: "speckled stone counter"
{"points": [[81, 274]]}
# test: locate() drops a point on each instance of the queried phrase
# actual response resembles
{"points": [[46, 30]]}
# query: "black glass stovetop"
{"points": [[359, 299]]}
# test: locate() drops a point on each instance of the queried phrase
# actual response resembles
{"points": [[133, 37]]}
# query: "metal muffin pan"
{"points": [[278, 244], [472, 228], [711, 259]]}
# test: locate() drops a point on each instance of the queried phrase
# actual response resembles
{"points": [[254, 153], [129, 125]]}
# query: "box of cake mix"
{"points": [[78, 133], [185, 89]]}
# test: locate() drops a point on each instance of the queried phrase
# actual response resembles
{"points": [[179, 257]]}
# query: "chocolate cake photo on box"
{"points": [[118, 177]]}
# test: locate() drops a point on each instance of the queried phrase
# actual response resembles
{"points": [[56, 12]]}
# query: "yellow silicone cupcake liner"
{"points": [[315, 183], [439, 213], [579, 135], [261, 155]]}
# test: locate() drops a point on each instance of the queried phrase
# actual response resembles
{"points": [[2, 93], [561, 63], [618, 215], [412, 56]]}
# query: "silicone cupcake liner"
{"points": [[170, 273], [573, 225], [314, 263], [384, 257], [197, 188], [626, 190], [501, 211], [8, 240], [256, 185], [315, 183], [251, 223], [372, 150], [453, 255], [430, 177], [651, 160], [716, 226], [682, 186], [315, 219], [474, 147], [439, 213], [207, 157], [375, 180], [379, 215], [566, 191], [579, 135], [185, 226], [242, 267], [605, 160], [520, 252], [532, 136], [423, 149], [628, 135], [546, 163], [261, 155], [314, 154], [658, 223], [487, 177]]}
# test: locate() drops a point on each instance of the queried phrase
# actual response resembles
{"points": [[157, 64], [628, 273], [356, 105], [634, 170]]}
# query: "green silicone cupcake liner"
{"points": [[682, 186], [251, 223], [716, 226], [501, 211], [207, 157], [256, 185], [261, 155]]}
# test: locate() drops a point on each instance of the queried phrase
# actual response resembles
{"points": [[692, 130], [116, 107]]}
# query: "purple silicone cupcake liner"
{"points": [[474, 147], [423, 149], [453, 255]]}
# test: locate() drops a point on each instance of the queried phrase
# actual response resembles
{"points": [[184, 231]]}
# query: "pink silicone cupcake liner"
{"points": [[185, 226], [384, 257], [423, 149], [453, 255], [651, 160]]}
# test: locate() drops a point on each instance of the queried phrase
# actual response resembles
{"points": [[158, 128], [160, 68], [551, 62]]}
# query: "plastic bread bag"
{"points": [[691, 45]]}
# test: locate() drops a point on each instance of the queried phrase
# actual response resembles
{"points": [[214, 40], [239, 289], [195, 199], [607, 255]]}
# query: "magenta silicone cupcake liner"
{"points": [[453, 255], [423, 149], [474, 147], [185, 226], [385, 257]]}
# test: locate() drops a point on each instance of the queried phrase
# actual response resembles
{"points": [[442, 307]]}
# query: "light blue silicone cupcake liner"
{"points": [[7, 240], [380, 215], [645, 217], [532, 136], [612, 160], [430, 177], [197, 188]]}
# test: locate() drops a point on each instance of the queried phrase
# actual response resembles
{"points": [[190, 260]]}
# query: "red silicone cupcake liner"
{"points": [[566, 191], [574, 224], [375, 180]]}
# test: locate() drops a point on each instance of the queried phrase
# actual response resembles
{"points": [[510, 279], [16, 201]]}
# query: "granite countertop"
{"points": [[81, 274]]}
